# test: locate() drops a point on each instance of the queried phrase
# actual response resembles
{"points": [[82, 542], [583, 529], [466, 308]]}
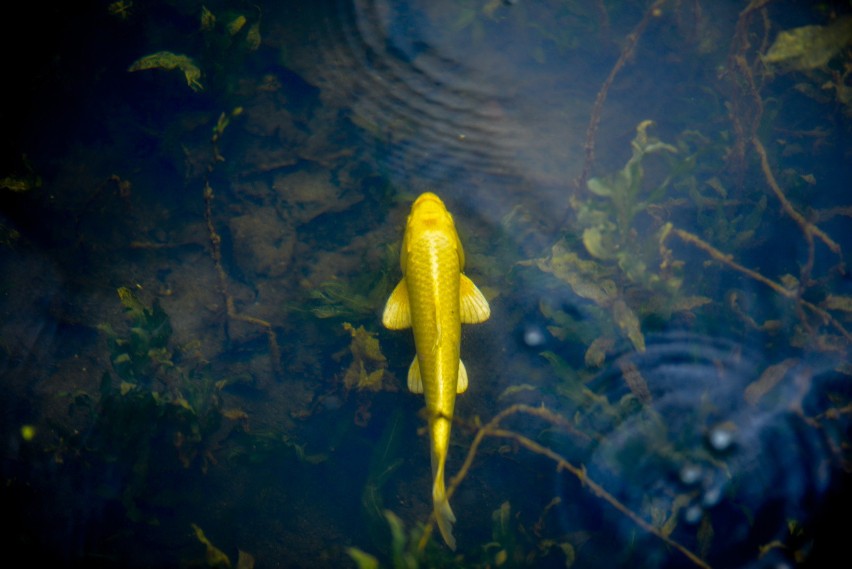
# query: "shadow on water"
{"points": [[201, 215]]}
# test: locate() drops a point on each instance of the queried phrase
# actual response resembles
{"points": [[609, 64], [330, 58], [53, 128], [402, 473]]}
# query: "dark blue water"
{"points": [[186, 262]]}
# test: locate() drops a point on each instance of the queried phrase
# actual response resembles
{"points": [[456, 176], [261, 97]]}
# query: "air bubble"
{"points": [[712, 496], [690, 474], [693, 514], [721, 438], [533, 336]]}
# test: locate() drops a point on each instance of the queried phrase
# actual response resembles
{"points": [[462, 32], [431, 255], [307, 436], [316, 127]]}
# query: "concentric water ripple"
{"points": [[726, 467], [443, 105]]}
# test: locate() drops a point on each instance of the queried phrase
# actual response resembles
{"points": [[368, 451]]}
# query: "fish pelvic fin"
{"points": [[461, 386], [443, 512], [415, 380]]}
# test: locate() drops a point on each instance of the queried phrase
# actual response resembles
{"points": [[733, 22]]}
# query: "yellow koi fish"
{"points": [[434, 298]]}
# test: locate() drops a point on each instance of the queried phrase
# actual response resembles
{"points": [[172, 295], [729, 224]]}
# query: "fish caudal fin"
{"points": [[443, 512]]}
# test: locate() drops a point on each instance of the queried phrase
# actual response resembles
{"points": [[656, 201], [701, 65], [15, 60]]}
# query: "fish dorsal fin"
{"points": [[474, 307], [415, 382], [461, 386], [397, 314]]}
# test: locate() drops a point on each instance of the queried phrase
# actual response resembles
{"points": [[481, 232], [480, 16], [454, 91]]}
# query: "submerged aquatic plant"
{"points": [[368, 370], [405, 552], [234, 31], [138, 356], [215, 558], [625, 277], [354, 298], [162, 412], [169, 61], [336, 299]]}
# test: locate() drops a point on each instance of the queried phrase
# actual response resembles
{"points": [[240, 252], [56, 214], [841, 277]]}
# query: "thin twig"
{"points": [[626, 53], [746, 105]]}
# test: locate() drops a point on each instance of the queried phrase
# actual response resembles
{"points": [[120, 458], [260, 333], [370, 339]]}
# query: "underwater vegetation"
{"points": [[162, 394]]}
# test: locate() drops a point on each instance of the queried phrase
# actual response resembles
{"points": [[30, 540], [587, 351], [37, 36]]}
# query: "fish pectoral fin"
{"points": [[415, 382], [474, 307], [397, 314], [461, 386]]}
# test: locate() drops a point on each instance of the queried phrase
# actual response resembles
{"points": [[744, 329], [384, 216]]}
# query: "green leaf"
{"points": [[586, 278], [362, 560], [838, 302], [808, 47], [599, 187], [593, 239], [214, 556], [629, 323], [168, 60]]}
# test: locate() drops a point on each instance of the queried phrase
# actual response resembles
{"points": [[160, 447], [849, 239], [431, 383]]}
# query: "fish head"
{"points": [[429, 211], [429, 214]]}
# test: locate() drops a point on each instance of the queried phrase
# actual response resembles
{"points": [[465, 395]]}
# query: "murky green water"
{"points": [[201, 208]]}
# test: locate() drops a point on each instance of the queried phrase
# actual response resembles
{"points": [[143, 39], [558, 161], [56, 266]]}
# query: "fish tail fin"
{"points": [[443, 512]]}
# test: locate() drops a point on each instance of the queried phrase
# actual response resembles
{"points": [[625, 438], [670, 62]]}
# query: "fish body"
{"points": [[434, 298]]}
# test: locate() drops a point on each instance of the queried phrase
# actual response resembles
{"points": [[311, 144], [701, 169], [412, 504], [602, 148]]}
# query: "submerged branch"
{"points": [[792, 294], [216, 253], [597, 490], [492, 429], [809, 229]]}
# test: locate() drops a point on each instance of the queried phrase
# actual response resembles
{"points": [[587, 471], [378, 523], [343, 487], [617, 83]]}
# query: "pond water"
{"points": [[201, 212]]}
